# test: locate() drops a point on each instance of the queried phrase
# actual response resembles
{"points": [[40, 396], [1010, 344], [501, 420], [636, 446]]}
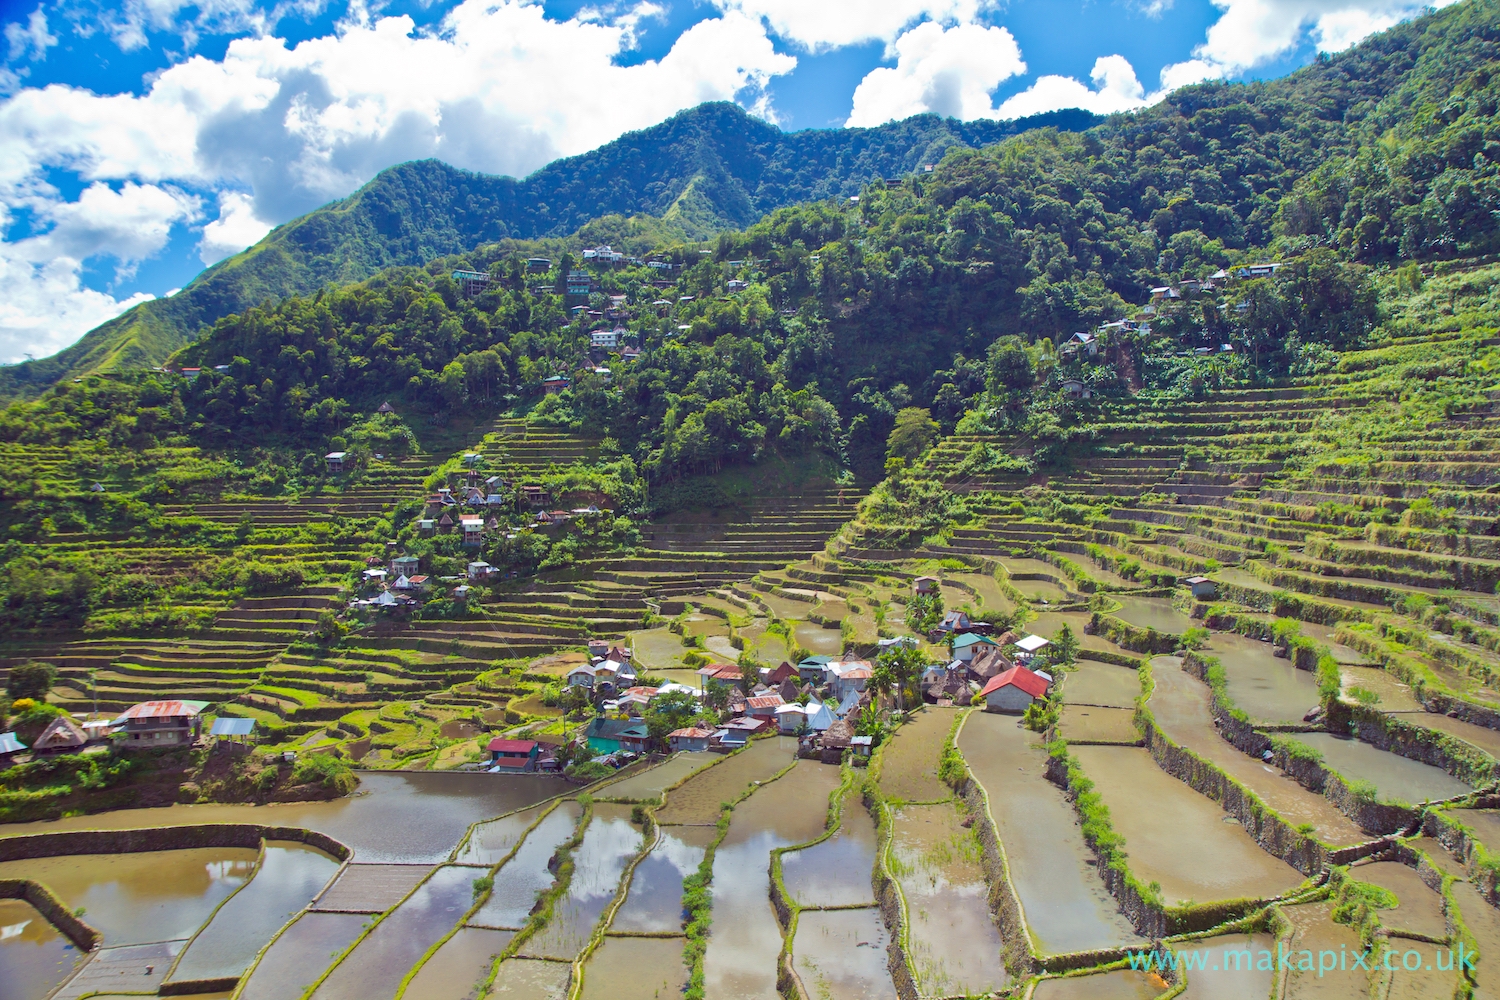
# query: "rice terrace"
{"points": [[1054, 559]]}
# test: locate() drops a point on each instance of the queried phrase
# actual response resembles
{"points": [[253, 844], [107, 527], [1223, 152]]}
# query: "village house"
{"points": [[536, 496], [1013, 691], [579, 283], [62, 735], [987, 662], [609, 735], [634, 701], [1202, 587], [763, 706], [1074, 389], [538, 264], [515, 756], [335, 460], [10, 746], [725, 673], [405, 566], [691, 739], [604, 338], [471, 283], [966, 645], [553, 384], [813, 668], [953, 622], [924, 585], [1028, 646], [774, 677], [161, 724], [473, 530], [849, 675], [480, 570]]}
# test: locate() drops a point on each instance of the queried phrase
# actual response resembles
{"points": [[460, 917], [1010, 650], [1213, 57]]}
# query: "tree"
{"points": [[1065, 645], [31, 679], [1009, 367], [716, 694], [914, 433], [905, 666], [668, 712]]}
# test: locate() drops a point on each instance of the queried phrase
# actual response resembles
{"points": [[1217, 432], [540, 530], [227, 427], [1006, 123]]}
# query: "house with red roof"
{"points": [[691, 738], [514, 756], [161, 724], [1013, 691]]}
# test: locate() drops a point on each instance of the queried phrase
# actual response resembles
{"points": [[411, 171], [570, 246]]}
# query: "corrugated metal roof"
{"points": [[498, 745], [163, 710], [9, 743], [232, 727]]}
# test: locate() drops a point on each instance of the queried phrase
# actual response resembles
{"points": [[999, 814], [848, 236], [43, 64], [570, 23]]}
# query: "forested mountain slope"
{"points": [[709, 168]]}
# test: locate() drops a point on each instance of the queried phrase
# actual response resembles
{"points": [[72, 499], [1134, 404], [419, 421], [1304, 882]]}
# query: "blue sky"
{"points": [[141, 140]]}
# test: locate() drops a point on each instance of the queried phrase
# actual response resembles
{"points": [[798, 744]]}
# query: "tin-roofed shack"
{"points": [[162, 723]]}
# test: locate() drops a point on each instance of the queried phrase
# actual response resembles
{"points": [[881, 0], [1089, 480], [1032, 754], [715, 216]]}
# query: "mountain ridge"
{"points": [[736, 168]]}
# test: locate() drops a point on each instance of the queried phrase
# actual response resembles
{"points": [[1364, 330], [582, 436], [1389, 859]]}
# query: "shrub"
{"points": [[30, 680], [588, 770], [326, 770]]}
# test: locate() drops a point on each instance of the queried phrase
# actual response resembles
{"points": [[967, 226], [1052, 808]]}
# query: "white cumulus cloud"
{"points": [[1115, 89], [946, 71], [820, 25], [1250, 33], [273, 130]]}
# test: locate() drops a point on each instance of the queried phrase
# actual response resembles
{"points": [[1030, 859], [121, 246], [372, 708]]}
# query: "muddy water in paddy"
{"points": [[654, 902], [1048, 623], [1485, 823], [1153, 613], [1066, 905], [1180, 703], [1122, 984], [635, 967], [1094, 683], [837, 871], [299, 956], [742, 949], [817, 640], [494, 840], [1229, 968], [656, 648], [374, 970], [408, 817], [1483, 921], [598, 863], [1092, 724], [455, 971], [1485, 739], [1177, 837], [531, 979], [34, 956], [908, 769], [650, 784], [521, 878], [289, 876], [1313, 930], [1397, 777], [1260, 684], [135, 898], [955, 946], [841, 955], [1393, 695], [698, 799], [1420, 910]]}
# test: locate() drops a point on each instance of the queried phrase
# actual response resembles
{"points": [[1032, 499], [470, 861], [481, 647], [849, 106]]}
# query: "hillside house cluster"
{"points": [[986, 667], [150, 725]]}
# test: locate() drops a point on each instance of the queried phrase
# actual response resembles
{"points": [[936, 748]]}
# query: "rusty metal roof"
{"points": [[163, 710]]}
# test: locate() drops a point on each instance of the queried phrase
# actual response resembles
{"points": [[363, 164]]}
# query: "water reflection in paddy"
{"points": [[525, 875], [817, 640], [1232, 969], [490, 842], [298, 957], [135, 898], [635, 967], [1177, 837], [1122, 984], [374, 970], [1395, 776], [654, 902], [650, 783], [955, 946], [34, 956], [289, 876], [1066, 905], [699, 798], [841, 955], [1261, 684], [464, 961], [741, 957], [609, 843], [1153, 613], [407, 817], [531, 979], [837, 871]]}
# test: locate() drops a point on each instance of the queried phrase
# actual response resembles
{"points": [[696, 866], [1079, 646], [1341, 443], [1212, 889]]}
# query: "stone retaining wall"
{"points": [[56, 912], [171, 838]]}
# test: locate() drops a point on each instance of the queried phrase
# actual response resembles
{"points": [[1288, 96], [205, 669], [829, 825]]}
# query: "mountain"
{"points": [[710, 168]]}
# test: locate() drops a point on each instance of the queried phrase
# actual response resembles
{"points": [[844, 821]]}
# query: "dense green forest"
{"points": [[709, 168]]}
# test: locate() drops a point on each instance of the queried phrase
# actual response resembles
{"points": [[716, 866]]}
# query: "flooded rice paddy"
{"points": [[1092, 724], [1230, 968], [1314, 930], [837, 871], [1122, 984], [1180, 704], [955, 945], [648, 968], [287, 879], [1485, 823], [1482, 737], [376, 966], [909, 767], [650, 783], [531, 979], [1391, 695], [598, 863], [491, 842], [1397, 778], [136, 898], [746, 938], [841, 955], [817, 640], [455, 970], [1066, 905], [699, 798], [34, 956], [299, 956], [1420, 910], [653, 904], [1260, 684], [1177, 837], [527, 874], [1154, 613], [1483, 922], [1094, 683]]}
